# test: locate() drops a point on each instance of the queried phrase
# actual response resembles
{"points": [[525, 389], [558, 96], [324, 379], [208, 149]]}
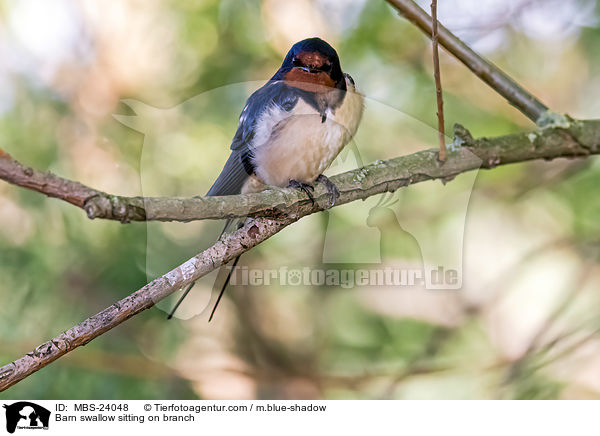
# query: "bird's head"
{"points": [[312, 65]]}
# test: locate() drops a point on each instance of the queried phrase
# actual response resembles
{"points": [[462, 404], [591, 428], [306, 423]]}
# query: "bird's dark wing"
{"points": [[273, 95], [232, 177]]}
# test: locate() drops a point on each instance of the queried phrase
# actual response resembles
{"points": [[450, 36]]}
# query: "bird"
{"points": [[291, 129]]}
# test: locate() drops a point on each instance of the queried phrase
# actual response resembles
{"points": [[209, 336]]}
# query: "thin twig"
{"points": [[438, 81], [485, 70]]}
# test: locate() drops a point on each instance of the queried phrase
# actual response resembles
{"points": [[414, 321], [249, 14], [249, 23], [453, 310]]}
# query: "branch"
{"points": [[529, 105], [245, 238], [376, 178], [97, 204], [578, 139], [438, 82]]}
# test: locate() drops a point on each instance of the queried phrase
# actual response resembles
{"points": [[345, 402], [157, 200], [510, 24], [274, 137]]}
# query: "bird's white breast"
{"points": [[298, 145]]}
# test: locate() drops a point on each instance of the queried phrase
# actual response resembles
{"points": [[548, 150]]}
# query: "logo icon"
{"points": [[26, 415]]}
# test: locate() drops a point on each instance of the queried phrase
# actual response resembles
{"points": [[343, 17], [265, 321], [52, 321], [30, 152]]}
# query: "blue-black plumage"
{"points": [[292, 128], [280, 137]]}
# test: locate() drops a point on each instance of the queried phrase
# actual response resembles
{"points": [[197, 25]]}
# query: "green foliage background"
{"points": [[525, 323]]}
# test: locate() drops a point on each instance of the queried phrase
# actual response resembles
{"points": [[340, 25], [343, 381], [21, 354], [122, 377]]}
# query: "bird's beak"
{"points": [[309, 69]]}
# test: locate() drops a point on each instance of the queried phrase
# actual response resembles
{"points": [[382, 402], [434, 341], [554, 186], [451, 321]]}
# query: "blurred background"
{"points": [[142, 98]]}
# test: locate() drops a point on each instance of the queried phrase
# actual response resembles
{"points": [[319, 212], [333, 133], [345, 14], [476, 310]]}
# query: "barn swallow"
{"points": [[292, 128]]}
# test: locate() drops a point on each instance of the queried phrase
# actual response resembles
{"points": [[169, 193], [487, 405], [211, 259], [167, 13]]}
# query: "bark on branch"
{"points": [[220, 253], [576, 139]]}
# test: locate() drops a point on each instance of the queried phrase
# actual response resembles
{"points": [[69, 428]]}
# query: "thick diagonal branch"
{"points": [[220, 253], [482, 68], [580, 139]]}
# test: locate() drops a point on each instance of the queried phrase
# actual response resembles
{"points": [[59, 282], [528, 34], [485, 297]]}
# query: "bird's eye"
{"points": [[326, 67], [297, 62]]}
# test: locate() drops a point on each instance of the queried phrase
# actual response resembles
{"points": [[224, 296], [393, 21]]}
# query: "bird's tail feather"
{"points": [[228, 223], [235, 261]]}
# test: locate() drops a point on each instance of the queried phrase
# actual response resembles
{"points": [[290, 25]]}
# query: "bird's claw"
{"points": [[307, 188], [333, 191]]}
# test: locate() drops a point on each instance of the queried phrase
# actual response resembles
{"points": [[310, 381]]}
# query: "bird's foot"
{"points": [[333, 191], [307, 188]]}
